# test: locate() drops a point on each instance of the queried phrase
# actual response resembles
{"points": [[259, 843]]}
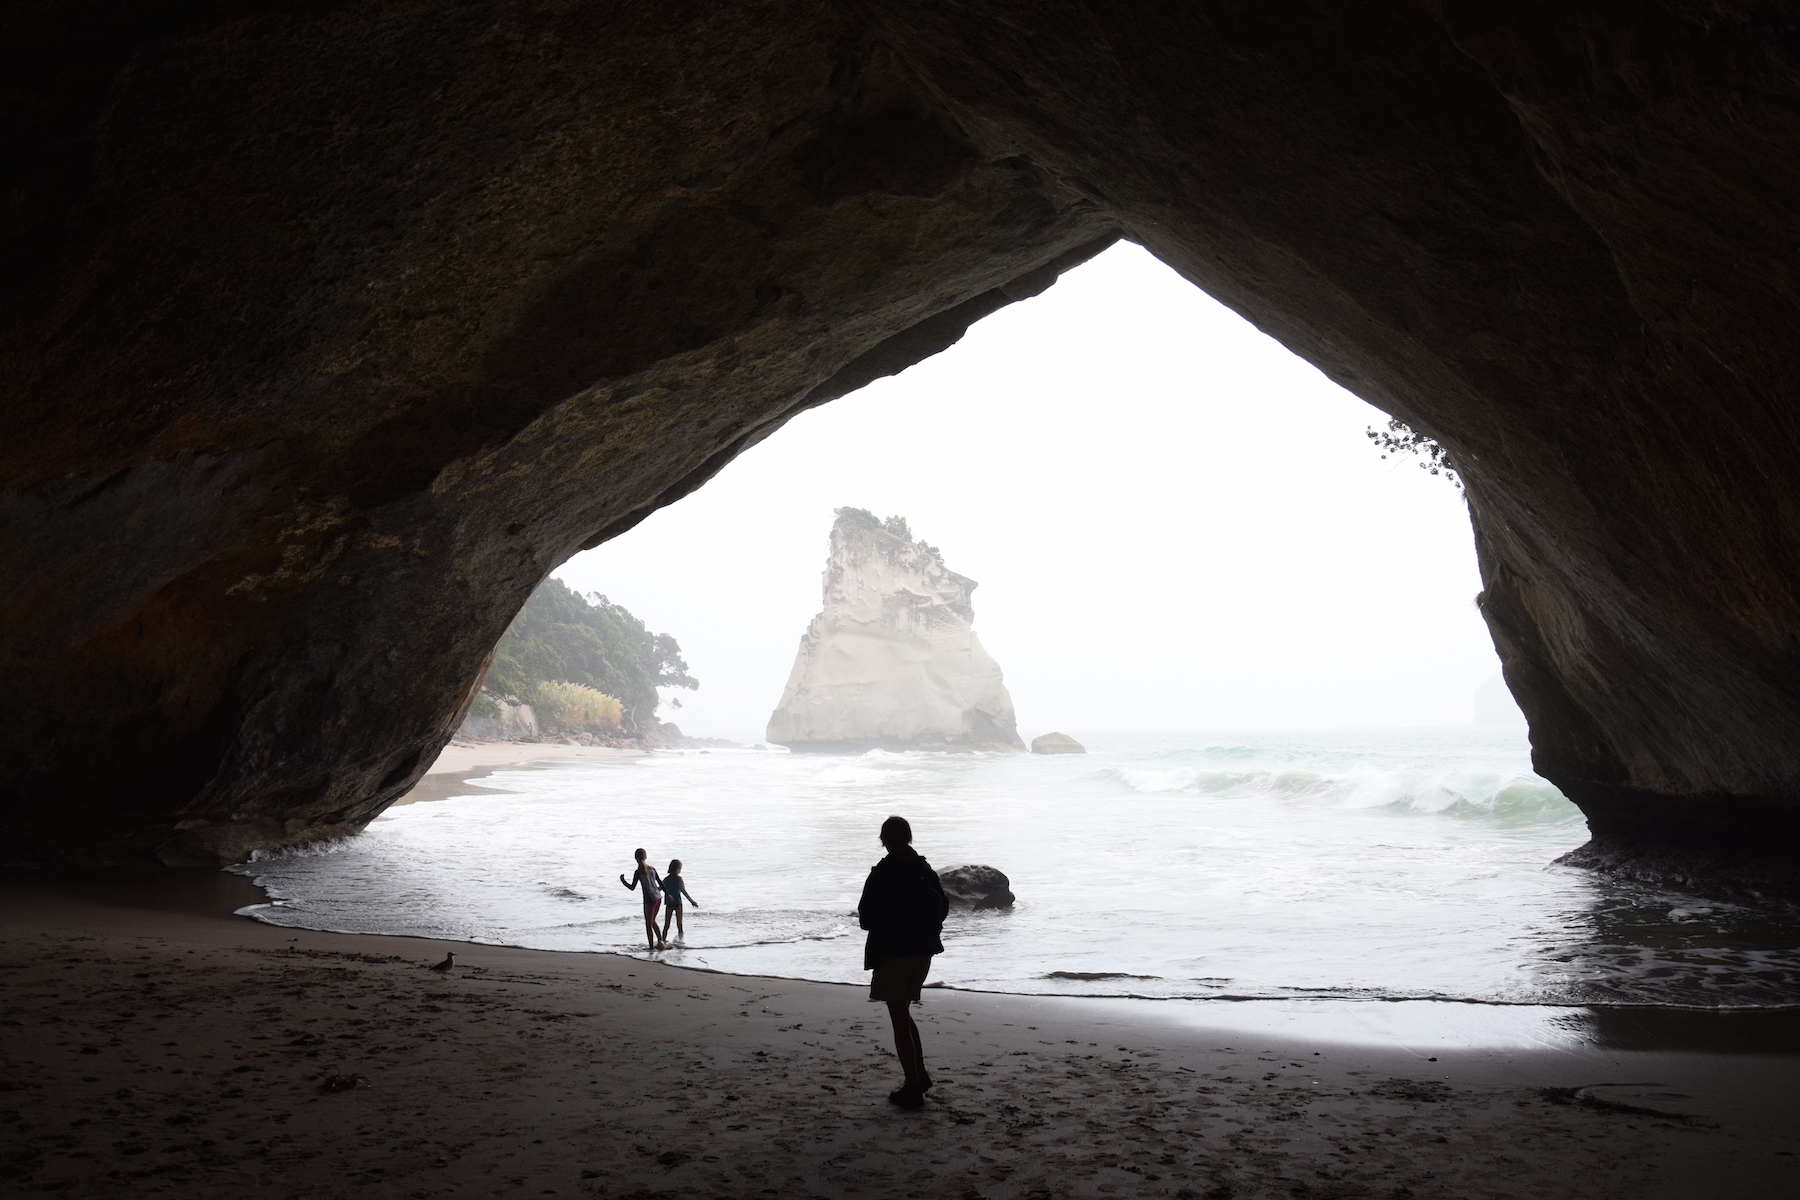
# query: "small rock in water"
{"points": [[976, 888], [1057, 743]]}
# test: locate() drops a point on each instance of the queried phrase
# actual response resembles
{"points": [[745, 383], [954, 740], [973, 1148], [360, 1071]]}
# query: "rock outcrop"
{"points": [[892, 661], [1056, 743], [327, 331], [515, 722], [975, 888]]}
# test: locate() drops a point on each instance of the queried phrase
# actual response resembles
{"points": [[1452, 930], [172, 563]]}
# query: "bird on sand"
{"points": [[443, 968]]}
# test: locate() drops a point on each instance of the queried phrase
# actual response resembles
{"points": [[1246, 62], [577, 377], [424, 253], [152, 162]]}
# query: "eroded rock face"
{"points": [[892, 661], [330, 331]]}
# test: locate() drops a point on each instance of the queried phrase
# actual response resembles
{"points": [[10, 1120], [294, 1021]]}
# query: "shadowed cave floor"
{"points": [[155, 1045]]}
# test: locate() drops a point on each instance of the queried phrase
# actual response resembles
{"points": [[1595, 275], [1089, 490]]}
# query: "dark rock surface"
{"points": [[976, 888], [1056, 743], [330, 331]]}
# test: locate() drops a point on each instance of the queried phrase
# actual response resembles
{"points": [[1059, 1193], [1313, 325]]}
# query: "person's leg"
{"points": [[681, 922], [906, 1043], [650, 926], [668, 916], [918, 1050]]}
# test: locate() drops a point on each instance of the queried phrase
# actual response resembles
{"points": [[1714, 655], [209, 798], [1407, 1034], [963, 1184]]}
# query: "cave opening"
{"points": [[291, 450], [1121, 451], [1194, 529], [333, 330]]}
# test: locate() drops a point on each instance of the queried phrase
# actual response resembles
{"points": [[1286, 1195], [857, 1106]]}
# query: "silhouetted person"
{"points": [[646, 877], [903, 907], [673, 891]]}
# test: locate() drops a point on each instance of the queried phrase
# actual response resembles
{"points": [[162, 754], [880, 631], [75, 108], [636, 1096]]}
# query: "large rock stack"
{"points": [[892, 662]]}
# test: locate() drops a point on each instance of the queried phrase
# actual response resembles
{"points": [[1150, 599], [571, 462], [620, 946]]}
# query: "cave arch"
{"points": [[330, 332]]}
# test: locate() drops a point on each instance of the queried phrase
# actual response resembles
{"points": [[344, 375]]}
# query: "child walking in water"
{"points": [[645, 876], [673, 891]]}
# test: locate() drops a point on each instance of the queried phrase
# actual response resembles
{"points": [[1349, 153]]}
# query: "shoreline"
{"points": [[1640, 1026], [145, 1013], [453, 758], [458, 765], [1785, 1018]]}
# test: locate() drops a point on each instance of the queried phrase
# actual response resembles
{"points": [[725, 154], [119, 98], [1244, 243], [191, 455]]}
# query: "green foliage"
{"points": [[859, 516], [895, 525], [484, 706], [572, 704], [1399, 439], [562, 636]]}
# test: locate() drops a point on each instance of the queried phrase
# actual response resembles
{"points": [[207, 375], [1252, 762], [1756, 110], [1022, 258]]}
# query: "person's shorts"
{"points": [[650, 907], [900, 978]]}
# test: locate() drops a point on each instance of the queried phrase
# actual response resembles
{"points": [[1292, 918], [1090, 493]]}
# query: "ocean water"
{"points": [[1408, 865]]}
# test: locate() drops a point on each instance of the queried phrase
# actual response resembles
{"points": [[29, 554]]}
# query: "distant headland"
{"points": [[581, 670]]}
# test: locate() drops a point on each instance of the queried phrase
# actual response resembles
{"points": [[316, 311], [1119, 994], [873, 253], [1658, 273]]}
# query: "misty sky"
{"points": [[1176, 525]]}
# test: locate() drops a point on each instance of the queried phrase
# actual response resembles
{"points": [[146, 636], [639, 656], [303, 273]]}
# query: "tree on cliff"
{"points": [[562, 636], [895, 525], [1400, 439]]}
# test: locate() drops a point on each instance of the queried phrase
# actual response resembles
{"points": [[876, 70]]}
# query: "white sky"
{"points": [[1176, 525]]}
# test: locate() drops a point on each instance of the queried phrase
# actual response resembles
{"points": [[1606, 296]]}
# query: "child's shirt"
{"points": [[672, 890]]}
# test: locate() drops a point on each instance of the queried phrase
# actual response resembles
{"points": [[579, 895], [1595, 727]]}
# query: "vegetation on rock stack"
{"points": [[895, 525], [570, 654]]}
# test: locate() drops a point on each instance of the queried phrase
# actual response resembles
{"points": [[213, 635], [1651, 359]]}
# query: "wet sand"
{"points": [[156, 1044]]}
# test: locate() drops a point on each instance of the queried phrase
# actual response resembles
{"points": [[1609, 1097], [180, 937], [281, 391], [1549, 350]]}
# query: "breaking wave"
{"points": [[1459, 793]]}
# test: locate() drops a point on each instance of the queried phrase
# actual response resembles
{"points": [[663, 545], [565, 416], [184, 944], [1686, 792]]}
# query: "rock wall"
{"points": [[330, 330], [515, 722], [892, 660]]}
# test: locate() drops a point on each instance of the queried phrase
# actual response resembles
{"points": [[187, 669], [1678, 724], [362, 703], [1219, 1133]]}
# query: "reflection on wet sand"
{"points": [[1695, 1031]]}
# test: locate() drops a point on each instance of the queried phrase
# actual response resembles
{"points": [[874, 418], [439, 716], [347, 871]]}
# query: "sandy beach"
{"points": [[157, 1044], [460, 759], [458, 764]]}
